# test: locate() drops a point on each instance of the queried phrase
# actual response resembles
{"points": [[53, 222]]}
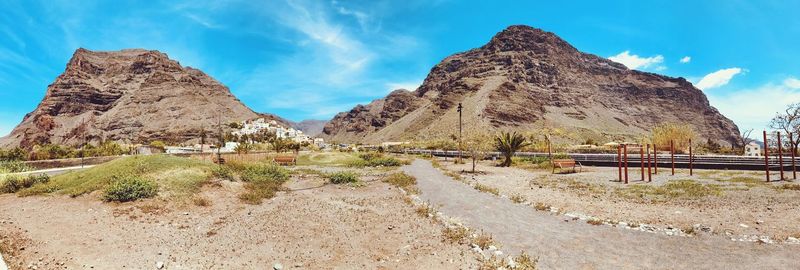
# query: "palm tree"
{"points": [[508, 144]]}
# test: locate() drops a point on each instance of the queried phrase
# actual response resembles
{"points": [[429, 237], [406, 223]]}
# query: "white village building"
{"points": [[752, 149], [260, 124]]}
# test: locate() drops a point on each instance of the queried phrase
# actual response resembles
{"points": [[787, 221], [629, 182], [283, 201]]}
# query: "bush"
{"points": [[130, 188], [371, 159], [343, 177], [223, 172], [13, 184], [13, 166], [401, 180], [260, 172]]}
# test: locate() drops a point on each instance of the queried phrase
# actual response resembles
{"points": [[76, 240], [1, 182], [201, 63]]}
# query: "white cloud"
{"points": [[792, 82], [754, 108], [633, 61], [718, 78], [410, 86], [686, 59]]}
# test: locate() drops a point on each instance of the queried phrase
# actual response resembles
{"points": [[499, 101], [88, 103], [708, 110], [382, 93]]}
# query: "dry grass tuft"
{"points": [[425, 210], [541, 206], [456, 235], [484, 240], [594, 222], [525, 262], [201, 201], [487, 189]]}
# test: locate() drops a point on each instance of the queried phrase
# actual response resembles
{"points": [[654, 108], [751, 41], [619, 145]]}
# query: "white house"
{"points": [[752, 149]]}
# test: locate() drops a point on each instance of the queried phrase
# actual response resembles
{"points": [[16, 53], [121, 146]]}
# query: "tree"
{"points": [[745, 138], [788, 121], [508, 144], [243, 148], [680, 134], [477, 147], [158, 145]]}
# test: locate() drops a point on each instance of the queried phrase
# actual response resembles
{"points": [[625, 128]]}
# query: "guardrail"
{"points": [[634, 160]]}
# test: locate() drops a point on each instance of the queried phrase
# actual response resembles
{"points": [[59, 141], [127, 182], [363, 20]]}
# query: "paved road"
{"points": [[578, 245]]}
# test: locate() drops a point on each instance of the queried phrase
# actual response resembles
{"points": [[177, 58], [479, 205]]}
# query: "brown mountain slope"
{"points": [[524, 79], [127, 96]]}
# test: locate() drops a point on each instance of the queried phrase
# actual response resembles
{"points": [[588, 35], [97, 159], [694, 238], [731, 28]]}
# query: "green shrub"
{"points": [[371, 159], [13, 166], [13, 184], [370, 156], [401, 180], [343, 177], [263, 172], [223, 172], [130, 188]]}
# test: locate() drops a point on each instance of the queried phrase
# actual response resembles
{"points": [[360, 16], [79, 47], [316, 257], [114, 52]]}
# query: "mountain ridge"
{"points": [[526, 78]]}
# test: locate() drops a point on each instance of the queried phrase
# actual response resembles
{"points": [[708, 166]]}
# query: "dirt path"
{"points": [[571, 244]]}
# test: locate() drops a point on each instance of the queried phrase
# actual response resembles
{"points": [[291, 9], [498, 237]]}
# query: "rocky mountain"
{"points": [[310, 127], [526, 79], [128, 96]]}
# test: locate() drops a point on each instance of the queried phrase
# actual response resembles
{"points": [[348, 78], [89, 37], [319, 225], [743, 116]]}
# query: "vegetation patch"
{"points": [[14, 166], [262, 180], [343, 177], [326, 159], [484, 240], [517, 198], [401, 180], [456, 235], [129, 188], [372, 159], [487, 189], [175, 176], [795, 187], [678, 189], [526, 262], [12, 184], [425, 210]]}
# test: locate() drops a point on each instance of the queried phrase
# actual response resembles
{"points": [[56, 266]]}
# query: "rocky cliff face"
{"points": [[525, 79], [127, 96]]}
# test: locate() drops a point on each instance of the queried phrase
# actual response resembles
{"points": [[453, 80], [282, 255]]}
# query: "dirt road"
{"points": [[563, 244]]}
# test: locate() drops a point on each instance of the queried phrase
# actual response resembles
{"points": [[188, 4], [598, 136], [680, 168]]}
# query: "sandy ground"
{"points": [[566, 243], [328, 227], [742, 210]]}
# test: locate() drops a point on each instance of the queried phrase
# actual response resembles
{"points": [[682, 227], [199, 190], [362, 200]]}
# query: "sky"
{"points": [[313, 59]]}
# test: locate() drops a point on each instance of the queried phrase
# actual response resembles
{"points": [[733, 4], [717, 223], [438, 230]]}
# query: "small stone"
{"points": [[743, 225], [477, 249], [492, 248], [498, 253], [510, 262], [160, 265], [759, 222], [277, 266]]}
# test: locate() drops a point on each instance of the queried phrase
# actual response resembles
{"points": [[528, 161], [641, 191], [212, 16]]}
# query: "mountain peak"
{"points": [[527, 38]]}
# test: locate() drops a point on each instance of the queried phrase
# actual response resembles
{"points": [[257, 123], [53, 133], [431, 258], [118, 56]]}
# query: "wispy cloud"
{"points": [[718, 78], [410, 86], [633, 61], [754, 108], [686, 59]]}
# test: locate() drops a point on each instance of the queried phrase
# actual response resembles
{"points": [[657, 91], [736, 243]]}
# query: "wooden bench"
{"points": [[285, 160], [565, 164]]}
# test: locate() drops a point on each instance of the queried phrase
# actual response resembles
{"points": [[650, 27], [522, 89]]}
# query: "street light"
{"points": [[459, 132]]}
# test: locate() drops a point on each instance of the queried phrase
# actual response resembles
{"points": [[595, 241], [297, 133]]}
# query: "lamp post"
{"points": [[459, 132]]}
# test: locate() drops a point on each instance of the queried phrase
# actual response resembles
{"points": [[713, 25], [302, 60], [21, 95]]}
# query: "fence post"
{"points": [[672, 154], [649, 172], [655, 159], [619, 161], [625, 149], [766, 155], [641, 160], [780, 155], [691, 159], [793, 149]]}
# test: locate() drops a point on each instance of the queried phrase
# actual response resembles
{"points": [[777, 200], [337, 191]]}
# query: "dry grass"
{"points": [[595, 222], [425, 210], [525, 262], [541, 206], [456, 235], [404, 181], [201, 201], [487, 189], [517, 198], [795, 187], [677, 189], [491, 263], [484, 240]]}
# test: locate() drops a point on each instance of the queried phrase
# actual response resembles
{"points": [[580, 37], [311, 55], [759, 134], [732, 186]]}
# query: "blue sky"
{"points": [[312, 59]]}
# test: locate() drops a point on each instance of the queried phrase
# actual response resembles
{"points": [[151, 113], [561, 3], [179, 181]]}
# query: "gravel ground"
{"points": [[328, 227], [745, 208], [566, 243]]}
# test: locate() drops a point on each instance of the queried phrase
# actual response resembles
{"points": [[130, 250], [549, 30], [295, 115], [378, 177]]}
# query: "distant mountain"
{"points": [[128, 96], [526, 79], [310, 127]]}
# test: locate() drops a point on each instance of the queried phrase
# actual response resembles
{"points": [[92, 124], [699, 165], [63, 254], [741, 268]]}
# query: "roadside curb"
{"points": [[3, 265]]}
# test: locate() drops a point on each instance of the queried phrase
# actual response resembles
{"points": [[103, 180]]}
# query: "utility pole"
{"points": [[459, 132], [83, 147]]}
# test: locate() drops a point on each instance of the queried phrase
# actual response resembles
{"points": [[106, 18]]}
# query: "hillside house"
{"points": [[753, 149]]}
